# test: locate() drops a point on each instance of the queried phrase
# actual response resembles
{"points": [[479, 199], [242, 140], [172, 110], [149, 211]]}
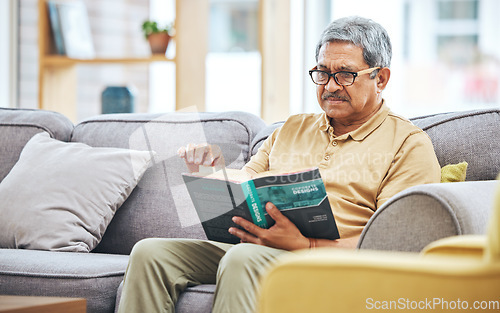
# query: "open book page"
{"points": [[230, 174], [240, 176]]}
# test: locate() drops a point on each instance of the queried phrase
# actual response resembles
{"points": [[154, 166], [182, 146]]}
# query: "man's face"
{"points": [[346, 104]]}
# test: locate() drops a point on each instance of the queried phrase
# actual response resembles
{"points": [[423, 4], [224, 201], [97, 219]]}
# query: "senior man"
{"points": [[365, 153]]}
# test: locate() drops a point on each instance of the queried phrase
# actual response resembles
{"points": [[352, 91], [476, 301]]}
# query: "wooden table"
{"points": [[25, 304]]}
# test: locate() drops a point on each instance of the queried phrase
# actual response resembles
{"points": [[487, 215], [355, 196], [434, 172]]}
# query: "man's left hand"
{"points": [[282, 235]]}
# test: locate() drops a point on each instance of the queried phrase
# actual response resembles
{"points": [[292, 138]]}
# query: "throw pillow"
{"points": [[61, 196], [454, 172]]}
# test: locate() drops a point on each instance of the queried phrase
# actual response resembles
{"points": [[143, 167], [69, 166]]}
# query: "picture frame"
{"points": [[75, 29]]}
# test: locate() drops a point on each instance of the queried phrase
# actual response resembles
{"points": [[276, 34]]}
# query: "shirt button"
{"points": [[334, 143], [327, 157]]}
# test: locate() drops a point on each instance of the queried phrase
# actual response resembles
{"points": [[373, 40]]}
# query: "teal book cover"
{"points": [[300, 196]]}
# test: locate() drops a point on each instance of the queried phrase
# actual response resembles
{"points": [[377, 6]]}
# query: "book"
{"points": [[55, 27], [300, 196], [75, 29]]}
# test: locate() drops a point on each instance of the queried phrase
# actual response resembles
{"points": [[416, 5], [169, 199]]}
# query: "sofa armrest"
{"points": [[413, 218]]}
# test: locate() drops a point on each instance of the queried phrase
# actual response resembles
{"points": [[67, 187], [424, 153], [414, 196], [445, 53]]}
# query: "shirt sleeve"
{"points": [[414, 164], [260, 161]]}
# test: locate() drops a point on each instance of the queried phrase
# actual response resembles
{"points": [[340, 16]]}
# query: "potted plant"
{"points": [[158, 37]]}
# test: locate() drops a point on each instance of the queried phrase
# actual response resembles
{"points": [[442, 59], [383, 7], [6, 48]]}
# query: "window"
{"points": [[233, 63], [162, 74], [461, 28], [446, 55], [458, 10]]}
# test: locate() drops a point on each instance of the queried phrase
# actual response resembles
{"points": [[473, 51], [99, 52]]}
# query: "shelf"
{"points": [[59, 60], [58, 83]]}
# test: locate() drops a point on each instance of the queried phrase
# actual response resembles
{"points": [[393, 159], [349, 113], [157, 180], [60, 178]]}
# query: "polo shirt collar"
{"points": [[373, 123], [359, 134], [324, 122]]}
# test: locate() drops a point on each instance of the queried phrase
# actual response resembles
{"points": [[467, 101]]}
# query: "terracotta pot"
{"points": [[159, 42]]}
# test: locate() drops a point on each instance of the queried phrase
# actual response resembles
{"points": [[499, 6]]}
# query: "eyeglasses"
{"points": [[342, 78]]}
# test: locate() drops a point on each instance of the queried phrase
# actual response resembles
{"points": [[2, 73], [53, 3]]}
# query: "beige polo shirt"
{"points": [[361, 169]]}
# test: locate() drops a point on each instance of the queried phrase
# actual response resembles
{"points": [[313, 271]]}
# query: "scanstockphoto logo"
{"points": [[163, 136], [437, 303]]}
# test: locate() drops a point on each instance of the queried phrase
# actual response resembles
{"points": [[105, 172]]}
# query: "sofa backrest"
{"points": [[471, 136], [160, 205], [17, 126]]}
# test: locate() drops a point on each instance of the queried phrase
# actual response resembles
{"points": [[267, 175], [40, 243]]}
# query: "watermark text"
{"points": [[431, 304]]}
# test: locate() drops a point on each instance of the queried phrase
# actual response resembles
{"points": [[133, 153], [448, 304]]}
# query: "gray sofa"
{"points": [[160, 207]]}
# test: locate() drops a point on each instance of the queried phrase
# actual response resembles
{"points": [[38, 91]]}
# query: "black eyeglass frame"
{"points": [[334, 75]]}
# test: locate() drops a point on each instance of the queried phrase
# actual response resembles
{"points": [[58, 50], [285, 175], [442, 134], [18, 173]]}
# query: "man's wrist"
{"points": [[313, 243]]}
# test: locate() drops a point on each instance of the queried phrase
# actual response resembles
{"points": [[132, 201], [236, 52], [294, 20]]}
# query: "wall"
{"points": [[8, 53]]}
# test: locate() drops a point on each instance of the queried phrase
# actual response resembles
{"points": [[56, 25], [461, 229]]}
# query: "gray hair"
{"points": [[364, 33]]}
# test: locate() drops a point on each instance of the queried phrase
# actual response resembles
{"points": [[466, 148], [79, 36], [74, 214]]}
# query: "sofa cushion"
{"points": [[195, 299], [470, 136], [92, 276], [61, 196], [17, 126], [160, 205], [453, 173]]}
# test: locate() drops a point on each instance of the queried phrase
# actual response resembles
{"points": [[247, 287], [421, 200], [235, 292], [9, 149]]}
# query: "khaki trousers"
{"points": [[160, 269]]}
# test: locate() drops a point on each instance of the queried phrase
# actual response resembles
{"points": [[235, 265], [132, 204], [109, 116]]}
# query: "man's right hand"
{"points": [[202, 154]]}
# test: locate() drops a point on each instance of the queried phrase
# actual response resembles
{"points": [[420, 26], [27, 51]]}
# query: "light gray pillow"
{"points": [[61, 196]]}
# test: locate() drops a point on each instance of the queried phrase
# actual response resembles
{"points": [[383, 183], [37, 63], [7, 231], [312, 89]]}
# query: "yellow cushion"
{"points": [[453, 172]]}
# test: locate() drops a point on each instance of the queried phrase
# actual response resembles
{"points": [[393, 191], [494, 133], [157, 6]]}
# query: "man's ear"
{"points": [[383, 76]]}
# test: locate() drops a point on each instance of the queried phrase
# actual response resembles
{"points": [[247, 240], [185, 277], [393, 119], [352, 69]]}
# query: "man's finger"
{"points": [[243, 235], [275, 213], [248, 226], [181, 152], [214, 156], [190, 153], [200, 153]]}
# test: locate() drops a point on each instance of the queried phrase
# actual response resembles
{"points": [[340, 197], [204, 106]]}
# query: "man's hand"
{"points": [[203, 154], [282, 235]]}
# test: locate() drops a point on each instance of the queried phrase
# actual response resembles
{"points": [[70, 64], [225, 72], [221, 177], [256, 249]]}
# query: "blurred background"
{"points": [[253, 55]]}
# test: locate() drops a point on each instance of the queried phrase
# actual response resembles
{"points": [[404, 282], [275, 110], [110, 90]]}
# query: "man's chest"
{"points": [[345, 159]]}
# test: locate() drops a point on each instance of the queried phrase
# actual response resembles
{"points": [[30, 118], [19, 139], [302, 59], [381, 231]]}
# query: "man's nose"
{"points": [[332, 85]]}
